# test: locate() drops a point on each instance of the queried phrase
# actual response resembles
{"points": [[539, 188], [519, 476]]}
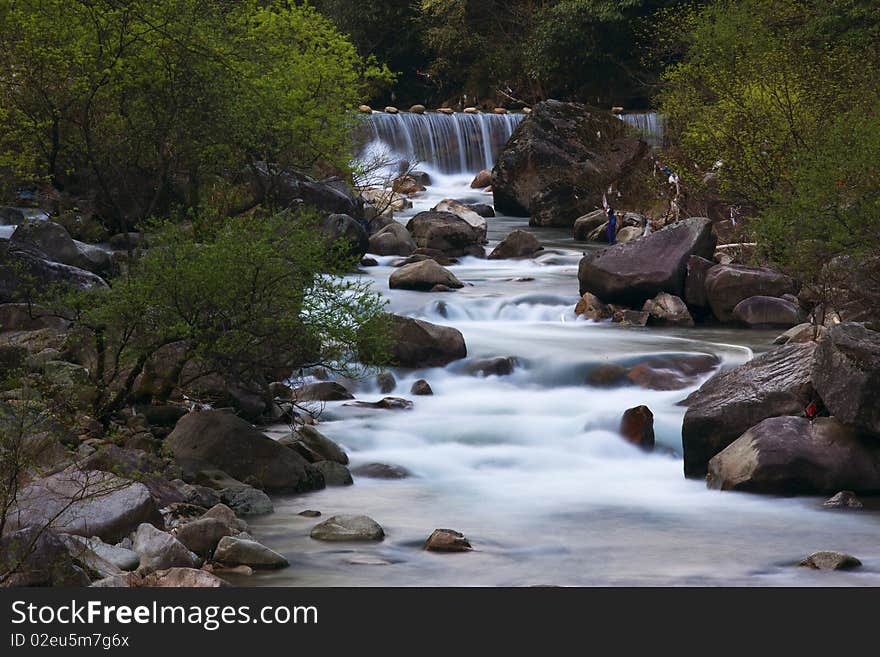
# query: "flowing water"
{"points": [[529, 466]]}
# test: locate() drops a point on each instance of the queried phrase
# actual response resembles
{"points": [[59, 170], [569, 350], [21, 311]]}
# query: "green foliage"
{"points": [[144, 105], [253, 301]]}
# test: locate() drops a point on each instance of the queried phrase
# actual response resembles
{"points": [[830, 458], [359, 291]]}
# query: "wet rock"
{"points": [[407, 185], [247, 501], [202, 535], [793, 455], [36, 557], [484, 210], [446, 232], [591, 307], [334, 473], [846, 373], [518, 244], [321, 392], [482, 180], [416, 343], [423, 276], [227, 516], [187, 578], [634, 272], [369, 262], [584, 226], [477, 222], [310, 513], [607, 375], [348, 528], [774, 384], [421, 388], [387, 403], [767, 312], [393, 239], [321, 445], [826, 560], [695, 282], [159, 550], [667, 310], [500, 366], [672, 372], [238, 551], [637, 427], [727, 285], [845, 499], [86, 503], [381, 471], [447, 540], [627, 317]]}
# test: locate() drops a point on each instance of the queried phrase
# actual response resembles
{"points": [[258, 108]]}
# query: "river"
{"points": [[529, 466]]}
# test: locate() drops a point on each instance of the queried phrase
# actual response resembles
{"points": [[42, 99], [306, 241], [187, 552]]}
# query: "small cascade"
{"points": [[649, 124], [447, 143]]}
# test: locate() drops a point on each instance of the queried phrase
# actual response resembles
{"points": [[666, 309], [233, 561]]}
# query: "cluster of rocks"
{"points": [[801, 418], [667, 278]]}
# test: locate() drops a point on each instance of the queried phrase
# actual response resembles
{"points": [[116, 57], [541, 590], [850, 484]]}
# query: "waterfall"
{"points": [[649, 124], [448, 143]]}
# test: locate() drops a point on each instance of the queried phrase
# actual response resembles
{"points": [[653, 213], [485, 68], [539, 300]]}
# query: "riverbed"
{"points": [[530, 467]]}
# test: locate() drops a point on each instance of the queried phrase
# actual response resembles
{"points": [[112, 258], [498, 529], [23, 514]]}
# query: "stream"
{"points": [[529, 466]]}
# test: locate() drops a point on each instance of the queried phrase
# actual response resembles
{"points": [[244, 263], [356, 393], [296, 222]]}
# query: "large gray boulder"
{"points": [[517, 244], [585, 225], [447, 233], [86, 503], [561, 159], [846, 373], [776, 383], [234, 551], [234, 446], [728, 285], [793, 455], [634, 272], [202, 534], [35, 556], [423, 277], [768, 312], [417, 343], [159, 550], [474, 219], [393, 239], [320, 444], [23, 266]]}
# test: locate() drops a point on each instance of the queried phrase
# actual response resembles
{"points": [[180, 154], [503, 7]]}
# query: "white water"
{"points": [[529, 466]]}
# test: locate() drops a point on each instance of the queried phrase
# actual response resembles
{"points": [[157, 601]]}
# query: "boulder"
{"points": [[423, 277], [846, 373], [483, 209], [774, 384], [386, 382], [159, 550], [227, 516], [321, 392], [634, 272], [247, 501], [637, 427], [827, 560], [393, 239], [35, 556], [499, 366], [234, 551], [845, 499], [183, 578], [447, 540], [629, 233], [344, 234], [234, 446], [728, 285], [667, 310], [805, 332], [335, 474], [86, 503], [329, 196], [672, 371], [585, 225], [482, 180], [120, 557], [21, 267], [695, 282], [407, 185], [25, 317], [591, 307], [52, 240], [202, 535], [421, 388], [416, 343], [320, 444], [518, 244], [386, 403], [767, 312], [447, 233], [381, 471], [560, 160], [793, 455], [348, 528], [474, 220]]}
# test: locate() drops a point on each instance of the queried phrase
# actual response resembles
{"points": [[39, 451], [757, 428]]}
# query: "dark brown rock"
{"points": [[637, 427]]}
